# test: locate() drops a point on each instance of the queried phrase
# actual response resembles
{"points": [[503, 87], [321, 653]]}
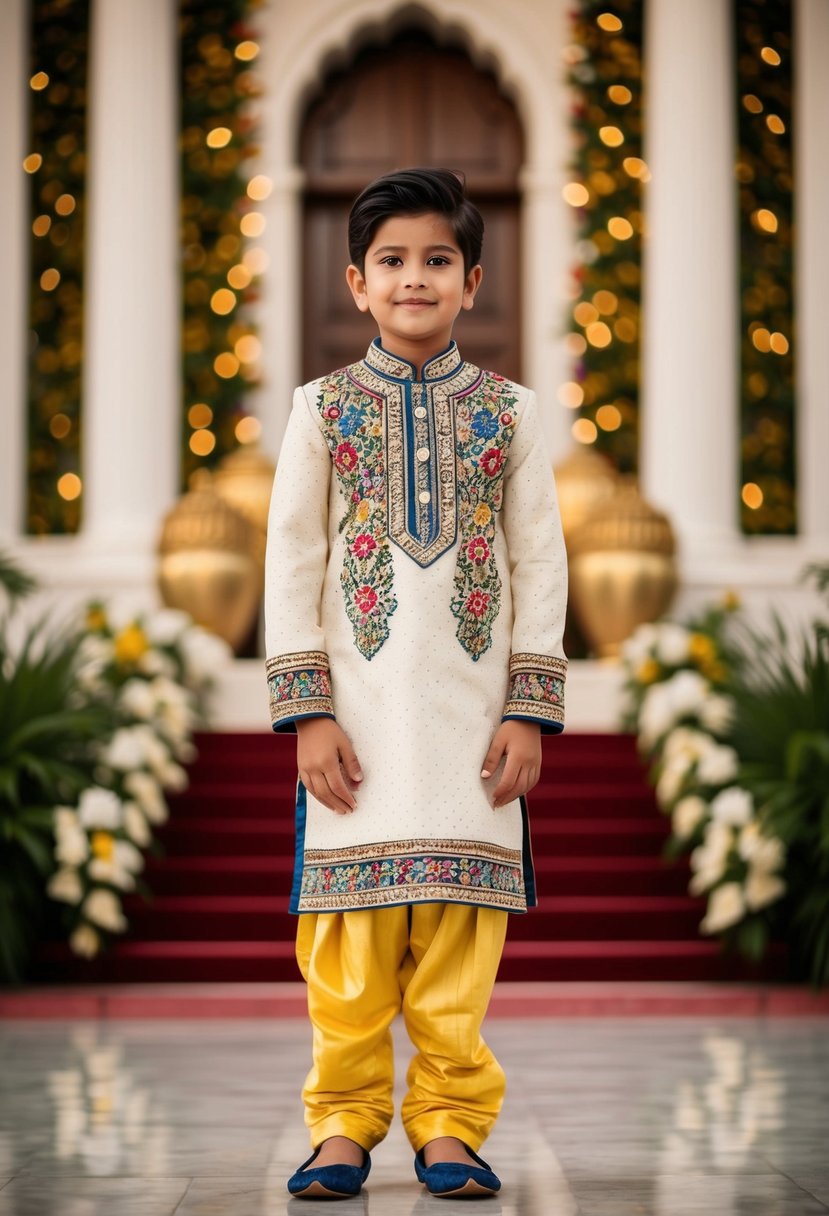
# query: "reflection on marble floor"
{"points": [[603, 1118]]}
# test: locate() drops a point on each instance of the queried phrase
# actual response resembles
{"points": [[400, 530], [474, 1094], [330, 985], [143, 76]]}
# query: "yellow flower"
{"points": [[731, 601], [648, 671], [377, 429], [362, 511], [701, 648], [482, 514], [713, 671], [130, 644], [103, 845], [96, 618]]}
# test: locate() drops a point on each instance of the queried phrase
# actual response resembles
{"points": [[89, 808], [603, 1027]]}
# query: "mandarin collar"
{"points": [[393, 367]]}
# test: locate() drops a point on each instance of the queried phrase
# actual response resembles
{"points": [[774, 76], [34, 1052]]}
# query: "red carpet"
{"points": [[609, 907]]}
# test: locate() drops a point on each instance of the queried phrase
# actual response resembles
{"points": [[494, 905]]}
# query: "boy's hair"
{"points": [[416, 192]]}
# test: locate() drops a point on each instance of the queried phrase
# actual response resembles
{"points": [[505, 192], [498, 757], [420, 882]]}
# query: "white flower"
{"points": [[762, 888], [156, 663], [94, 653], [65, 885], [147, 793], [137, 699], [173, 777], [203, 654], [99, 808], [718, 765], [672, 644], [726, 907], [708, 860], [135, 747], [85, 941], [717, 713], [135, 824], [163, 627], [684, 741], [656, 715], [683, 695], [103, 908], [106, 869], [687, 815], [71, 841], [733, 805], [761, 852], [671, 779], [638, 646], [128, 856]]}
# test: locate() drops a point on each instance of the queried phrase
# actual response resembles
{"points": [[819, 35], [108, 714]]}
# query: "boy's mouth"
{"points": [[414, 302]]}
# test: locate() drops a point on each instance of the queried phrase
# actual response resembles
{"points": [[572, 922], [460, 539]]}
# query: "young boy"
{"points": [[416, 586]]}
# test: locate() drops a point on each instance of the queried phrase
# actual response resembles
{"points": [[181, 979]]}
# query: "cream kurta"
{"points": [[415, 590]]}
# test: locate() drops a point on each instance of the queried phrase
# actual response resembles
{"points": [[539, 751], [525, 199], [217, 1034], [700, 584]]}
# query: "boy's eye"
{"points": [[437, 259], [391, 259]]}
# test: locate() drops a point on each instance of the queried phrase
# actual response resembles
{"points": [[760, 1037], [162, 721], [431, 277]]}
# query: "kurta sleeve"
{"points": [[538, 578], [297, 668]]}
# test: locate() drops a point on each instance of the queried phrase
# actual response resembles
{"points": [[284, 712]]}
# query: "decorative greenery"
{"points": [[740, 757], [56, 163], [218, 211], [605, 70], [95, 720], [763, 40]]}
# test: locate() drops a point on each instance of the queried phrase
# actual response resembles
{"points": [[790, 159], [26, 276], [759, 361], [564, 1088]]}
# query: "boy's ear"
{"points": [[470, 287], [357, 286]]}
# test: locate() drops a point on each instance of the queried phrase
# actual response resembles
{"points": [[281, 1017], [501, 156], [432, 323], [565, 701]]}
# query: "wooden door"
{"points": [[409, 103]]}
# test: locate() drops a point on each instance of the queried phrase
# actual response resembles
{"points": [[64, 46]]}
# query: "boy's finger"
{"points": [[509, 779], [492, 759], [350, 762], [339, 790], [320, 792]]}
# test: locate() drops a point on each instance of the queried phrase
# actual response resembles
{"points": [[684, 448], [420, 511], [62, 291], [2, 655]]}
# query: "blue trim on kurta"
{"points": [[547, 728], [527, 855], [299, 852], [413, 378], [287, 725]]}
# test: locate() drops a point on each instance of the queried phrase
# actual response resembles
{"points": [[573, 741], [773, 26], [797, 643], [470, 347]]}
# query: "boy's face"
{"points": [[414, 285]]}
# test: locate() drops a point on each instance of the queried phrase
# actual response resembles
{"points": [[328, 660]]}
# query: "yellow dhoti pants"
{"points": [[437, 964]]}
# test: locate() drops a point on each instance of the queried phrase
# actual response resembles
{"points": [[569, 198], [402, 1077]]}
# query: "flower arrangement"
{"points": [[96, 722], [739, 755]]}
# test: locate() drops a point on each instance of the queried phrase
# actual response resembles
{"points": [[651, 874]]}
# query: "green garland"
{"points": [[56, 163], [217, 44], [605, 70], [765, 177]]}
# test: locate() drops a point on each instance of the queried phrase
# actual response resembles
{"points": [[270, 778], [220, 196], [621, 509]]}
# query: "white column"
{"points": [[689, 455], [811, 133], [14, 235], [131, 376]]}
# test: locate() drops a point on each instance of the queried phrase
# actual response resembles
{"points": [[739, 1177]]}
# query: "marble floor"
{"points": [[604, 1117]]}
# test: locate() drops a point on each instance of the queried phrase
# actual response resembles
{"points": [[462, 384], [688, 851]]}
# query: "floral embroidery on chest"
{"points": [[352, 423], [485, 422]]}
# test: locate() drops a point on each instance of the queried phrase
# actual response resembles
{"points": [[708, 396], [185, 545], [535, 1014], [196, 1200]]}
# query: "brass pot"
{"points": [[244, 479], [622, 568], [584, 481], [210, 563]]}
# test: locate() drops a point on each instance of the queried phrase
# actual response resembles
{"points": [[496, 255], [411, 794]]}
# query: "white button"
{"points": [[424, 496], [420, 411], [422, 454]]}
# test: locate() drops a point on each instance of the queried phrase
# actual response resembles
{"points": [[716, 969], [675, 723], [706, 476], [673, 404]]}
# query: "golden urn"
{"points": [[211, 561], [244, 479], [584, 481], [622, 568]]}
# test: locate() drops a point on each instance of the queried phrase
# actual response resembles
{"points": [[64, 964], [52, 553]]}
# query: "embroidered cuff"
{"points": [[536, 690], [300, 687]]}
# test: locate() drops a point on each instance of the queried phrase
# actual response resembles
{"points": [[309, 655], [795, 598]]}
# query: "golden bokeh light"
{"points": [[41, 225], [625, 329], [33, 162], [223, 301], [584, 313], [576, 194], [619, 94], [606, 302], [775, 124], [609, 22], [226, 365], [779, 343], [584, 431], [256, 260], [252, 224], [202, 443], [247, 50], [609, 417], [65, 204], [620, 228], [764, 219], [50, 279], [575, 344], [769, 55], [753, 103], [611, 136], [199, 415], [39, 81], [239, 276], [69, 487], [752, 495], [598, 334], [761, 338], [259, 187], [219, 137], [571, 394], [228, 246], [60, 426], [248, 348], [634, 166], [248, 429]]}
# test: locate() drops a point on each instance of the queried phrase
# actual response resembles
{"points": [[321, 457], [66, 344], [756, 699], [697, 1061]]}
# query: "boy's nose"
{"points": [[413, 281]]}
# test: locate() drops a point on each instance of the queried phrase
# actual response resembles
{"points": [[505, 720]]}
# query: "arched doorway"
{"points": [[409, 102]]}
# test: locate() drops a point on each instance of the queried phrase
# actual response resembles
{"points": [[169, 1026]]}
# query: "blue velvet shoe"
{"points": [[453, 1180], [329, 1181]]}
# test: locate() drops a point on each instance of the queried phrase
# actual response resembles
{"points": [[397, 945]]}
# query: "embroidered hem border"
{"points": [[299, 683], [409, 871]]}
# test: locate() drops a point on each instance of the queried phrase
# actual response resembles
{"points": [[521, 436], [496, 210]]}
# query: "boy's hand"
{"points": [[521, 743], [327, 764]]}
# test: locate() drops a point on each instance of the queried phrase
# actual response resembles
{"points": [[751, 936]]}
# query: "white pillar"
{"points": [[689, 454], [14, 237], [811, 133], [132, 375]]}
